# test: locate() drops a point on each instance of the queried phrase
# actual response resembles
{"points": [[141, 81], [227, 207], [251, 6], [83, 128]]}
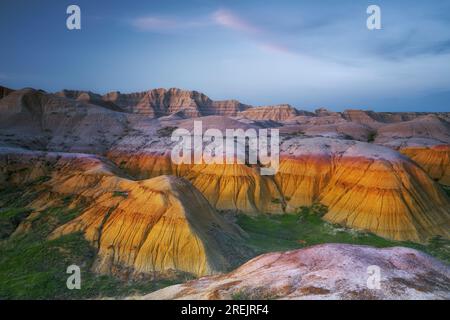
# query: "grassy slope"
{"points": [[33, 267], [306, 228]]}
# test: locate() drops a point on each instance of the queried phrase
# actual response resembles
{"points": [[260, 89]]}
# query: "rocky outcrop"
{"points": [[392, 117], [332, 126], [275, 113], [363, 117], [331, 271], [425, 127], [41, 121], [435, 160], [89, 97], [154, 226], [365, 186], [162, 102], [228, 107]]}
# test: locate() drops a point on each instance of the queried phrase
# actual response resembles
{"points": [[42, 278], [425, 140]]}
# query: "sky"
{"points": [[309, 54]]}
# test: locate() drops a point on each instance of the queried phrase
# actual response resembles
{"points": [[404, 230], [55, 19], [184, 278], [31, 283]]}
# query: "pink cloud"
{"points": [[230, 20], [155, 23]]}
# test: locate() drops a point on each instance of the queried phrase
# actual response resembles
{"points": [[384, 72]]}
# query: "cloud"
{"points": [[164, 24], [153, 23], [263, 37], [230, 20]]}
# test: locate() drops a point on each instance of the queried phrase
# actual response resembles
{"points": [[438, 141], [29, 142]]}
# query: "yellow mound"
{"points": [[154, 225], [434, 160], [396, 200], [158, 225], [236, 187], [365, 186], [301, 180]]}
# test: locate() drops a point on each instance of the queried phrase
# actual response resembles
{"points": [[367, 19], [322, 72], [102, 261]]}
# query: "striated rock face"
{"points": [[151, 226], [228, 107], [365, 186], [163, 102], [89, 97], [391, 117], [323, 112], [435, 160], [427, 127], [363, 117], [330, 271], [332, 126], [236, 188], [124, 100], [157, 225], [37, 120], [275, 113]]}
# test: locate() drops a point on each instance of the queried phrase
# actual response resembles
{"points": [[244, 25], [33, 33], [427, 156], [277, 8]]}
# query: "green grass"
{"points": [[371, 137], [10, 218], [34, 267], [268, 233], [37, 270], [446, 189]]}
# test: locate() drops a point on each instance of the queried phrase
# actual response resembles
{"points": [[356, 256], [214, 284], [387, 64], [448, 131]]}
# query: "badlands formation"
{"points": [[139, 227], [383, 173]]}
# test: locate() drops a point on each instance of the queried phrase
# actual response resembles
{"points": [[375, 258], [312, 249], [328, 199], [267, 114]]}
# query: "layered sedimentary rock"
{"points": [[89, 97], [331, 271], [391, 117], [37, 120], [157, 225], [163, 102], [363, 117], [435, 160], [425, 127], [221, 123], [331, 126], [236, 187], [276, 113], [151, 226], [365, 187], [229, 186]]}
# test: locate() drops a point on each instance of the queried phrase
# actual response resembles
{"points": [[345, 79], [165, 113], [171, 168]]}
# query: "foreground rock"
{"points": [[330, 271]]}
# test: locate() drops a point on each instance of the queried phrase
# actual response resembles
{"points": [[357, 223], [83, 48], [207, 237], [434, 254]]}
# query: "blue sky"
{"points": [[307, 53]]}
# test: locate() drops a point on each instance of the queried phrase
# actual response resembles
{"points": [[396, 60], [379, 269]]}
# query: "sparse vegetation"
{"points": [[371, 137], [122, 194], [446, 189], [268, 233], [166, 131], [253, 294], [34, 267]]}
